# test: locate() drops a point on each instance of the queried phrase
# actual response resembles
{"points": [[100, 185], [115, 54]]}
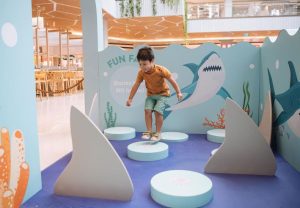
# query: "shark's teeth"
{"points": [[212, 68]]}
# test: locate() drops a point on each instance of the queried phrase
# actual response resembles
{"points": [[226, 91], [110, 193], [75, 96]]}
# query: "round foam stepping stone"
{"points": [[214, 151], [174, 137], [147, 151], [120, 133], [181, 188], [216, 135]]}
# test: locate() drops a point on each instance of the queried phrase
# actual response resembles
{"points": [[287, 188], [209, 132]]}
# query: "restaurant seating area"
{"points": [[56, 83]]}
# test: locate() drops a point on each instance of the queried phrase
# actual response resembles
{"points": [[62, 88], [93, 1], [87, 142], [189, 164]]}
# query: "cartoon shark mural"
{"points": [[289, 101], [209, 77]]}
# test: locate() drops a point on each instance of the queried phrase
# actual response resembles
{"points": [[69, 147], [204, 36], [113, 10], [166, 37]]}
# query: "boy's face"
{"points": [[146, 65]]}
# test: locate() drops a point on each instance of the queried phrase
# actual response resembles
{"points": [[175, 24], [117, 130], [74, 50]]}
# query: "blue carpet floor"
{"points": [[230, 191]]}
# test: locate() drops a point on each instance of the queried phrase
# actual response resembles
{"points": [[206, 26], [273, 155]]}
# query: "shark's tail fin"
{"points": [[271, 87], [224, 93], [167, 112], [282, 118], [294, 79]]}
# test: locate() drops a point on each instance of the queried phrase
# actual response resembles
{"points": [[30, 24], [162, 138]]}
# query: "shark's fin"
{"points": [[193, 67], [223, 93], [282, 118], [167, 112], [188, 90], [294, 79], [271, 87], [207, 56]]}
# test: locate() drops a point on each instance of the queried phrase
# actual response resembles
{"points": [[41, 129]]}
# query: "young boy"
{"points": [[157, 91]]}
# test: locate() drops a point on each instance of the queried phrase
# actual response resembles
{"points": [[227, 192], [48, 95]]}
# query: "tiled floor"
{"points": [[54, 126]]}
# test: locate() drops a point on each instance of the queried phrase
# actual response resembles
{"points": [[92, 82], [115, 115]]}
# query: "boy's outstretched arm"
{"points": [[132, 93], [176, 88]]}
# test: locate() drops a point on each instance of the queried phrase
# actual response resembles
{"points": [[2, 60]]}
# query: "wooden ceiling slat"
{"points": [[36, 2], [67, 9], [169, 24], [156, 27], [63, 15], [43, 9], [72, 3], [174, 19]]}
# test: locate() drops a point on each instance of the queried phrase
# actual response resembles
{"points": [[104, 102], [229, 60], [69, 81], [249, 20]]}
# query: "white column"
{"points": [[105, 33], [228, 8], [93, 42]]}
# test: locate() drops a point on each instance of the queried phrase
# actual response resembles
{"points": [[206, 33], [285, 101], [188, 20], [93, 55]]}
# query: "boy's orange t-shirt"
{"points": [[155, 80]]}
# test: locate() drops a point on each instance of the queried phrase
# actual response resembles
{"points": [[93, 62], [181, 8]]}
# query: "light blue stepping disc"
{"points": [[174, 137], [147, 151], [214, 151], [216, 135], [120, 133], [181, 188]]}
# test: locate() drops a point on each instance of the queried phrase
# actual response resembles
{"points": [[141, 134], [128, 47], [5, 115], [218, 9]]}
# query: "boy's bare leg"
{"points": [[159, 119], [148, 120]]}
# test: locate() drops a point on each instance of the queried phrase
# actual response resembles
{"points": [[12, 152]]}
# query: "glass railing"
{"points": [[240, 9]]}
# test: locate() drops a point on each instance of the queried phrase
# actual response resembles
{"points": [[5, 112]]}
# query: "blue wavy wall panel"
{"points": [[206, 75], [281, 73]]}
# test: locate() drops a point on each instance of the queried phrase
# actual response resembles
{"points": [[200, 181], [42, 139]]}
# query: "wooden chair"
{"points": [[55, 81], [41, 83], [79, 76], [70, 80]]}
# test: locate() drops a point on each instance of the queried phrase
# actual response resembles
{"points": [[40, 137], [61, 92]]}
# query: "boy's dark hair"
{"points": [[145, 54]]}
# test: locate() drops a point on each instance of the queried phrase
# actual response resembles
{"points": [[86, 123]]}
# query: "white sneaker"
{"points": [[146, 135], [156, 137]]}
